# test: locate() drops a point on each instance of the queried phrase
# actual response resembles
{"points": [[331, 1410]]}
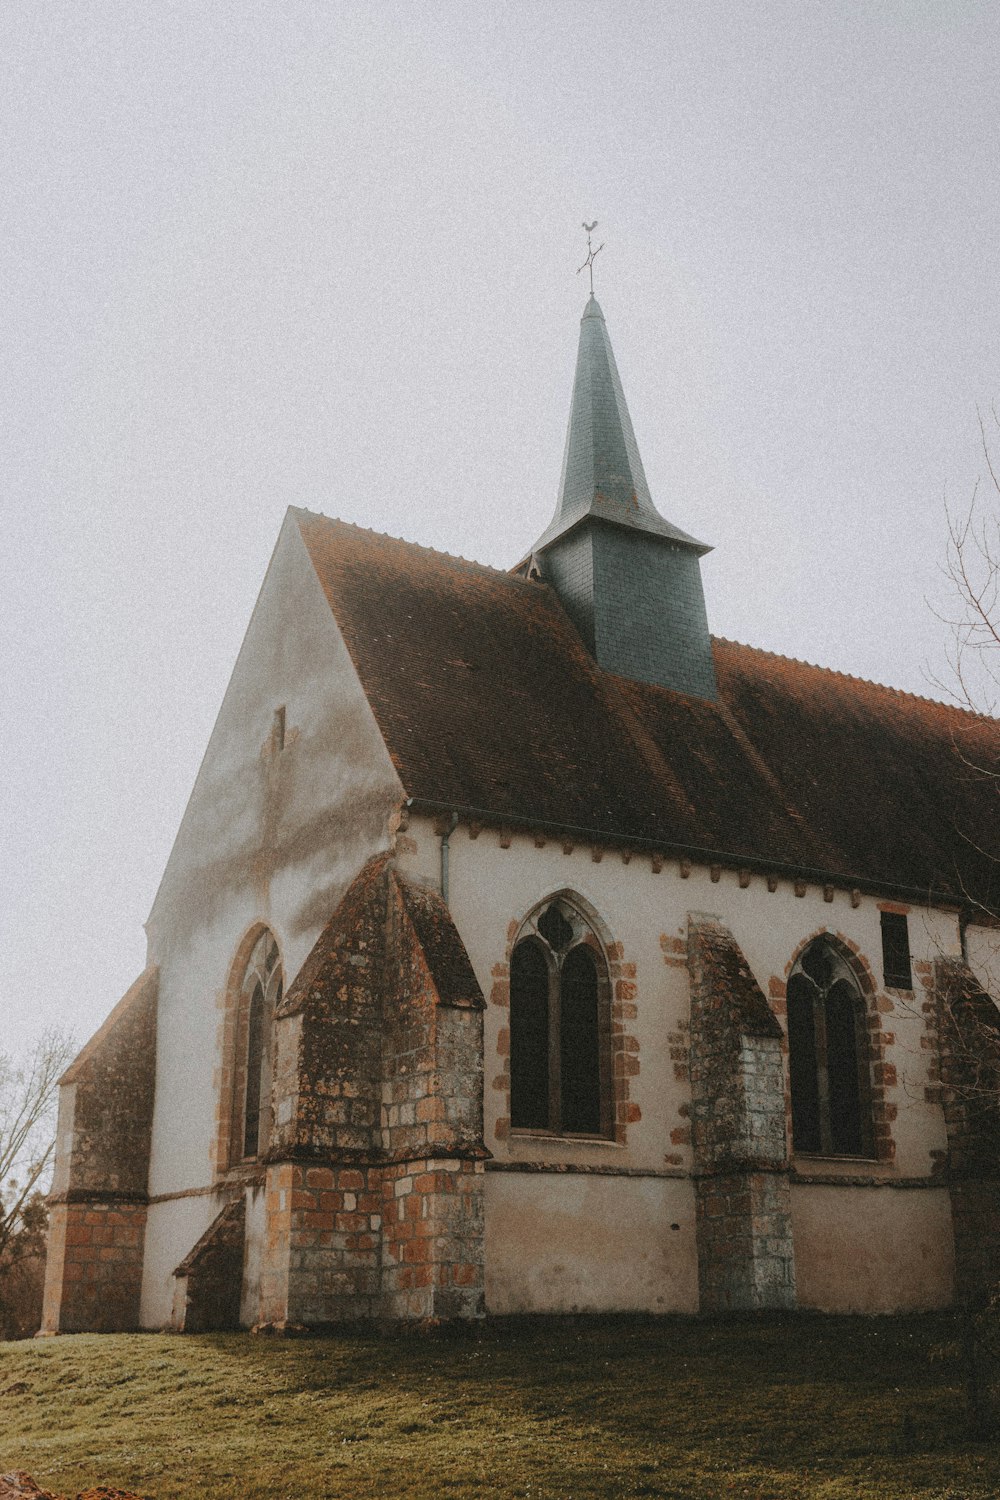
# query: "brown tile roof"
{"points": [[488, 701]]}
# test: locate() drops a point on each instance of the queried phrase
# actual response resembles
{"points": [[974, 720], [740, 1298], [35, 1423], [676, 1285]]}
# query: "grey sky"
{"points": [[323, 253]]}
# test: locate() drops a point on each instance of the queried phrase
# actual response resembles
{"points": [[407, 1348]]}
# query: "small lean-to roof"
{"points": [[488, 701]]}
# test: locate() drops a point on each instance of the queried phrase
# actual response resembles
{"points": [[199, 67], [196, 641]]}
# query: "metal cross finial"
{"points": [[591, 255]]}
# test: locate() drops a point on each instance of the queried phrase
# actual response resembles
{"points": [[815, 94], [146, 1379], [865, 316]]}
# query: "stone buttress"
{"points": [[374, 1194], [742, 1188], [97, 1207], [969, 1040]]}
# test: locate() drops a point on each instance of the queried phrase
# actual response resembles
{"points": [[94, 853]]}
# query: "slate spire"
{"points": [[629, 579], [602, 473]]}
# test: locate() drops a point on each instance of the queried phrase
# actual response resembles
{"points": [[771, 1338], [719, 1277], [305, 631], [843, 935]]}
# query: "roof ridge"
{"points": [[387, 536], [883, 687]]}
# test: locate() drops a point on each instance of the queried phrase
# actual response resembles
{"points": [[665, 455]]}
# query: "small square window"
{"points": [[896, 951]]}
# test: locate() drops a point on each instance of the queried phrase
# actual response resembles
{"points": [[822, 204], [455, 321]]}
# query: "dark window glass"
{"points": [[828, 1057], [842, 1070], [560, 1044], [255, 1065], [802, 995], [555, 929], [260, 991], [579, 1044], [896, 951], [529, 1037]]}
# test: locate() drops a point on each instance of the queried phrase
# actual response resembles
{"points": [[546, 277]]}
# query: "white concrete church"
{"points": [[525, 949]]}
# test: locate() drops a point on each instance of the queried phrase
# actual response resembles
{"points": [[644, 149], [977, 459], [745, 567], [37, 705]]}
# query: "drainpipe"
{"points": [[446, 834]]}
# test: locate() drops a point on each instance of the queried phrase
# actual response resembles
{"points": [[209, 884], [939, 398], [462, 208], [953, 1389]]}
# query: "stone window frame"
{"points": [[620, 1062], [233, 1039], [882, 1075]]}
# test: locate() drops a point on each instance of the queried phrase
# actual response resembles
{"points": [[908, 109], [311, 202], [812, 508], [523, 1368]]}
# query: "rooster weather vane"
{"points": [[591, 255]]}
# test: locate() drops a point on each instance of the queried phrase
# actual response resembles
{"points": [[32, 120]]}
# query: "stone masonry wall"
{"points": [[743, 1208]]}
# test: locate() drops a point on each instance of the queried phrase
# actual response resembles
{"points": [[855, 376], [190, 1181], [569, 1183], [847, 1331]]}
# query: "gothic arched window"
{"points": [[260, 993], [828, 1056], [559, 1026]]}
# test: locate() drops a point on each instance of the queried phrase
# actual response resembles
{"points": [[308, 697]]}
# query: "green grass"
{"points": [[773, 1409]]}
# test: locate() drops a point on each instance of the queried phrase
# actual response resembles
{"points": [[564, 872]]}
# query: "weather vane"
{"points": [[591, 255]]}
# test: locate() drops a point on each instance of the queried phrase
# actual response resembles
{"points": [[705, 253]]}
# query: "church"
{"points": [[526, 949]]}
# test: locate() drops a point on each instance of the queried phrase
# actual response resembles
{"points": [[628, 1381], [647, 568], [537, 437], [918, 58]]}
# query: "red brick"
{"points": [[318, 1221]]}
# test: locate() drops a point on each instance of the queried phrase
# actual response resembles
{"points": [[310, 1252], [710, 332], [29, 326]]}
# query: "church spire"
{"points": [[602, 473], [629, 579]]}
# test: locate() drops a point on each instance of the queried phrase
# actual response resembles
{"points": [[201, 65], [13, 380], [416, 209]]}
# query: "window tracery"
{"points": [[829, 1061], [260, 993], [560, 1079]]}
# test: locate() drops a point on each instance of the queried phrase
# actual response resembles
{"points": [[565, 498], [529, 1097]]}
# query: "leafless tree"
{"points": [[970, 1021], [972, 571], [27, 1143]]}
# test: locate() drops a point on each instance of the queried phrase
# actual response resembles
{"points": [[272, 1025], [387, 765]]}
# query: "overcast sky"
{"points": [[322, 253]]}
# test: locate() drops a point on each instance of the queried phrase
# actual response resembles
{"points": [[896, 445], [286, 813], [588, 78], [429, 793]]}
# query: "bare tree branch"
{"points": [[27, 1127]]}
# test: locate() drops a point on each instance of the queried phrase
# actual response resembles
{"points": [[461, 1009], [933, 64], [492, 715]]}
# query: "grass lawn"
{"points": [[774, 1409]]}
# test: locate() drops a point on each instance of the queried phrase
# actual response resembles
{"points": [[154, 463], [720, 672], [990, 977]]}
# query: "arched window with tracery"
{"points": [[260, 993], [829, 1055], [560, 1053]]}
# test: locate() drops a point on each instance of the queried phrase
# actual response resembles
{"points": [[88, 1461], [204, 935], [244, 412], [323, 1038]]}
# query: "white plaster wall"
{"points": [[491, 886], [569, 1243], [268, 837], [872, 1250]]}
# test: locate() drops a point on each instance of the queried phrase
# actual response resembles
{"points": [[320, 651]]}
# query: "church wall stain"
{"points": [[271, 836]]}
